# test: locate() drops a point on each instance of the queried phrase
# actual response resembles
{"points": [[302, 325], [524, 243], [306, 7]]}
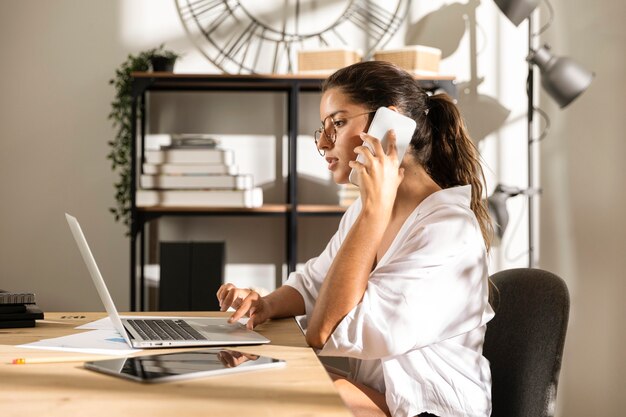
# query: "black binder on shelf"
{"points": [[191, 273]]}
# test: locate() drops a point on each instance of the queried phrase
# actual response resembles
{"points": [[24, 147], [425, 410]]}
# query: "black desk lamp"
{"points": [[497, 206]]}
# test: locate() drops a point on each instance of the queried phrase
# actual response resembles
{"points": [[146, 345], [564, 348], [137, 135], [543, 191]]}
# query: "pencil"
{"points": [[59, 359]]}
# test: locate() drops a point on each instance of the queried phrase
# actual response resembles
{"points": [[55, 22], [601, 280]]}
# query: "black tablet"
{"points": [[183, 365]]}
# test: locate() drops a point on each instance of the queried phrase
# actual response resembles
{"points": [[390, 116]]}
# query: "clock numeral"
{"points": [[341, 39], [283, 47], [236, 43], [372, 19], [331, 37], [200, 9], [215, 12], [394, 20], [255, 62]]}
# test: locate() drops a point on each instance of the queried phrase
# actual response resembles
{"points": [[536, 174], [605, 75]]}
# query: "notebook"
{"points": [[160, 332]]}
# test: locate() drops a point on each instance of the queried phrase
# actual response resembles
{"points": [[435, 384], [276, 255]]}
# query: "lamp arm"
{"points": [[550, 19], [546, 128]]}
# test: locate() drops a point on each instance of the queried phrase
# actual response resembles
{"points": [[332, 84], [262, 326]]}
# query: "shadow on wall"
{"points": [[483, 114]]}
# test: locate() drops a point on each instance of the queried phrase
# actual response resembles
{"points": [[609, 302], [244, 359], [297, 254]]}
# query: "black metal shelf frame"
{"points": [[291, 86]]}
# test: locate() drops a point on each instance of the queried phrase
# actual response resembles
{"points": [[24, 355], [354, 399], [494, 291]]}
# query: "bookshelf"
{"points": [[291, 85]]}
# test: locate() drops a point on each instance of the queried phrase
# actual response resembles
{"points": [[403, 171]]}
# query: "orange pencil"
{"points": [[59, 359]]}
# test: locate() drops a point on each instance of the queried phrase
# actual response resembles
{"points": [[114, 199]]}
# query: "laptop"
{"points": [[160, 332]]}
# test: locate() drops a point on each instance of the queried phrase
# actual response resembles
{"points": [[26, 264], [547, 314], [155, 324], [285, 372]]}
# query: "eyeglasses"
{"points": [[329, 129]]}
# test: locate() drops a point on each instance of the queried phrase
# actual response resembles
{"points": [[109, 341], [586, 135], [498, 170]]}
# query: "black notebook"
{"points": [[14, 324], [32, 312], [12, 308]]}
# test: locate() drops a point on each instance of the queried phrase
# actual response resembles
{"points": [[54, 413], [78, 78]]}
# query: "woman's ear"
{"points": [[394, 108]]}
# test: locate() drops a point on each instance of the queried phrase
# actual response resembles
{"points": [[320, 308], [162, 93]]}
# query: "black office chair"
{"points": [[524, 341]]}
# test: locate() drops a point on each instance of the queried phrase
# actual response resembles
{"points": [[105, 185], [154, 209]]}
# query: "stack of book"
{"points": [[194, 171], [347, 194], [18, 310]]}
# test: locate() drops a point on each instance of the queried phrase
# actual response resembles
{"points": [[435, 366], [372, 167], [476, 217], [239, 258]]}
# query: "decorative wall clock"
{"points": [[263, 36]]}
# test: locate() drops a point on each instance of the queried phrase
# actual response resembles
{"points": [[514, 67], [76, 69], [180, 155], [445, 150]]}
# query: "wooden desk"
{"points": [[302, 388]]}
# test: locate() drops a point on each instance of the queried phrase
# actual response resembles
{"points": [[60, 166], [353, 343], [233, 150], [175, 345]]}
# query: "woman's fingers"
{"points": [[231, 296], [244, 307], [392, 143], [229, 299], [374, 146], [222, 292]]}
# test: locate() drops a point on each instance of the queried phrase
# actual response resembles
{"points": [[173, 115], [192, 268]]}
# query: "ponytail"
{"points": [[450, 157]]}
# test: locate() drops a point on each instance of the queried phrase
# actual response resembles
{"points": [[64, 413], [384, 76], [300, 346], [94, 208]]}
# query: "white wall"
{"points": [[54, 100], [583, 226], [53, 131]]}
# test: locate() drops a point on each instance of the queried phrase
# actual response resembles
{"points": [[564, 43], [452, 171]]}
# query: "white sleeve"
{"points": [[309, 280], [434, 287]]}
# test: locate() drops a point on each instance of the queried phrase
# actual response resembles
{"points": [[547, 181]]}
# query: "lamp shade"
{"points": [[517, 10], [561, 77]]}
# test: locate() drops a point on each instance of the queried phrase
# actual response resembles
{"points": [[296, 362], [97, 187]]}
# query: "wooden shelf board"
{"points": [[255, 77], [265, 209]]}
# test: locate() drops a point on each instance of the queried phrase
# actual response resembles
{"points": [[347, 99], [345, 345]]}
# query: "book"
{"points": [[16, 324], [347, 194], [236, 182], [192, 140], [200, 198], [190, 156], [189, 169], [13, 308], [32, 313], [7, 297]]}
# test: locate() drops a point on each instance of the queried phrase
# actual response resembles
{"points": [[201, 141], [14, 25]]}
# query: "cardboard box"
{"points": [[413, 58], [326, 60]]}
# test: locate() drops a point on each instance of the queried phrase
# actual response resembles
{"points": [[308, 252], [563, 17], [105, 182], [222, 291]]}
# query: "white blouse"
{"points": [[418, 333]]}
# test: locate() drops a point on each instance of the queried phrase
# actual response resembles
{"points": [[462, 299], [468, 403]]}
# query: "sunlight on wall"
{"points": [[254, 154], [251, 275], [147, 23]]}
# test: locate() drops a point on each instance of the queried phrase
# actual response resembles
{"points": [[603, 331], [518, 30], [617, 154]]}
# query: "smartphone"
{"points": [[386, 119]]}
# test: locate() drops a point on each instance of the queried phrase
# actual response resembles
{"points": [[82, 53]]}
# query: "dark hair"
{"points": [[440, 143]]}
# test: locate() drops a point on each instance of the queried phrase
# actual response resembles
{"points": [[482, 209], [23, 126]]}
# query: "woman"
{"points": [[402, 287]]}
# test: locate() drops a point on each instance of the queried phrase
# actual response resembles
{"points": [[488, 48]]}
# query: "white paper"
{"points": [[102, 342]]}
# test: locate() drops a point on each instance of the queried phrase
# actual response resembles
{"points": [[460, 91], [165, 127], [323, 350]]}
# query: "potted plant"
{"points": [[121, 115], [163, 61]]}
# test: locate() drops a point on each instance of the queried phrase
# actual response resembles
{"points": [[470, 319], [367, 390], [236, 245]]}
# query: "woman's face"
{"points": [[349, 121]]}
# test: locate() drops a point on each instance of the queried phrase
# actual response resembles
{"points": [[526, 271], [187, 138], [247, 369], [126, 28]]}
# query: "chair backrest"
{"points": [[524, 341]]}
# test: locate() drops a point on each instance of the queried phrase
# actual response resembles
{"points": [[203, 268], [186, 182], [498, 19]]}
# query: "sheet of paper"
{"points": [[103, 342], [105, 323]]}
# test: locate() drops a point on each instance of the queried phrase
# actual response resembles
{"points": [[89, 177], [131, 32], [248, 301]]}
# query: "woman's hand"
{"points": [[245, 302], [380, 175]]}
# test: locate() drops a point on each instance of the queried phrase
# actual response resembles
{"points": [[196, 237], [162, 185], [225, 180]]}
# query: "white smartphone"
{"points": [[384, 120]]}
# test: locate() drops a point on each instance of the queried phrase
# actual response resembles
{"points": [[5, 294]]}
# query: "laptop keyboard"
{"points": [[165, 329]]}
